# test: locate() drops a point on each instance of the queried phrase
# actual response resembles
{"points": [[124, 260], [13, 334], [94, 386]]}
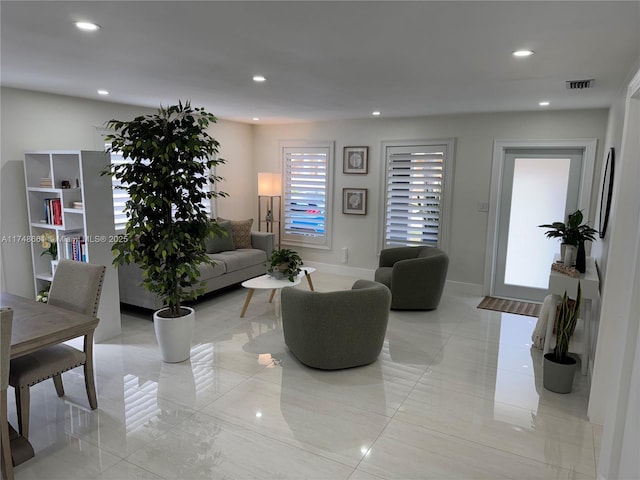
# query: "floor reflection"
{"points": [[455, 393], [514, 371]]}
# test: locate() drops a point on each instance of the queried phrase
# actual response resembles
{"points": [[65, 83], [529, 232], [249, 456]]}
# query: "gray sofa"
{"points": [[333, 330], [232, 267]]}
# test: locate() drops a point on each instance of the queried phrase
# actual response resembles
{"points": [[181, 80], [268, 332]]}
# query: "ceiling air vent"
{"points": [[579, 84]]}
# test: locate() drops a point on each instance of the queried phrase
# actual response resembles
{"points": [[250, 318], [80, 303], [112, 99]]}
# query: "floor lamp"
{"points": [[270, 203]]}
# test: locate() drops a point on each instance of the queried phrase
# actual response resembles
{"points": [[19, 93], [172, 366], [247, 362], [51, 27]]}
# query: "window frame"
{"points": [[447, 187], [321, 242]]}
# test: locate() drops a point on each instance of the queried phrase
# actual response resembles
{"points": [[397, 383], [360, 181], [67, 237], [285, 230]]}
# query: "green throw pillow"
{"points": [[220, 243]]}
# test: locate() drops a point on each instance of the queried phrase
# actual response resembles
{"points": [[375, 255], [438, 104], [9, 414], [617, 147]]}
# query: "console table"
{"points": [[590, 285]]}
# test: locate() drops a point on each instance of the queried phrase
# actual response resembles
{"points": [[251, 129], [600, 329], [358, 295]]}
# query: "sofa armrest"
{"points": [[263, 241]]}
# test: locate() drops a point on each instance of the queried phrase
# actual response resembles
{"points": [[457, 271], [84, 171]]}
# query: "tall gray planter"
{"points": [[558, 377]]}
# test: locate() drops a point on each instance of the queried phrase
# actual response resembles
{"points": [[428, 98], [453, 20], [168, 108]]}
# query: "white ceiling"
{"points": [[325, 59]]}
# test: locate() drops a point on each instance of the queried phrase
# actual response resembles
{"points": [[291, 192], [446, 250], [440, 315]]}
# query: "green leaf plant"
{"points": [[285, 261], [172, 157], [571, 232], [567, 317]]}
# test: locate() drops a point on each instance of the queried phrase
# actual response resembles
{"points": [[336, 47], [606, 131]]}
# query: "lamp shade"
{"points": [[269, 184]]}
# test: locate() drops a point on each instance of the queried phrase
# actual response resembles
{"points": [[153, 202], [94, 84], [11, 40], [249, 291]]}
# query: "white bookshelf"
{"points": [[91, 219]]}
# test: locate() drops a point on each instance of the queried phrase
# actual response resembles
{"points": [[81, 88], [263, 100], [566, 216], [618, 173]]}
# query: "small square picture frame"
{"points": [[354, 201], [355, 160]]}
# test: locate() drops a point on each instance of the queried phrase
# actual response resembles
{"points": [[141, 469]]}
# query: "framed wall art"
{"points": [[607, 190], [354, 201], [355, 160]]}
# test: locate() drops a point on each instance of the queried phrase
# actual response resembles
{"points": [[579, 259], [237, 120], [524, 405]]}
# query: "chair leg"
{"points": [[23, 400], [57, 381], [7, 462], [90, 384]]}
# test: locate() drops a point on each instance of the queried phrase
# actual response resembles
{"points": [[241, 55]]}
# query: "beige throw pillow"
{"points": [[240, 231]]}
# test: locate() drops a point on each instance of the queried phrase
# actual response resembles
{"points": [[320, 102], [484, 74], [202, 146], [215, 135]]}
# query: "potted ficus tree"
{"points": [[171, 159], [284, 263], [559, 366]]}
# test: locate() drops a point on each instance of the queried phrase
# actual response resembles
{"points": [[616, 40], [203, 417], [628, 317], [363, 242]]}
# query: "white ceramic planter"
{"points": [[174, 335], [568, 254]]}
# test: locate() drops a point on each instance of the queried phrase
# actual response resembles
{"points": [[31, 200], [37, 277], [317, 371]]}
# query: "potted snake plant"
{"points": [[171, 158], [559, 366]]}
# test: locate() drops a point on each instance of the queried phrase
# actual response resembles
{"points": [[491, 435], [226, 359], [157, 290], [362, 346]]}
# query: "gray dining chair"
{"points": [[6, 318], [75, 286]]}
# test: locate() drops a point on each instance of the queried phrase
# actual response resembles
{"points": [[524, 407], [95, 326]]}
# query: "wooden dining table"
{"points": [[36, 326]]}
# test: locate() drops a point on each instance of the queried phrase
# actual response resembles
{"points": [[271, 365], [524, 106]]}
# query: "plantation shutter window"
{"points": [[306, 194], [121, 196], [414, 197]]}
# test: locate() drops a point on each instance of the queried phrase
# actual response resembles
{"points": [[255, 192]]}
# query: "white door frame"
{"points": [[497, 168]]}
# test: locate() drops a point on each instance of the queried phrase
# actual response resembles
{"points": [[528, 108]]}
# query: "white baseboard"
{"points": [[364, 273], [452, 288]]}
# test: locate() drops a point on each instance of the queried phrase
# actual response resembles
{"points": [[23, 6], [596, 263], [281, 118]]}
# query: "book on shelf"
{"points": [[53, 211], [75, 247], [46, 183]]}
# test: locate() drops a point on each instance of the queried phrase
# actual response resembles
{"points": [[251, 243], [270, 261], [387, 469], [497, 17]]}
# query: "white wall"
{"points": [[34, 121], [238, 171], [474, 135], [623, 227], [613, 138], [614, 393]]}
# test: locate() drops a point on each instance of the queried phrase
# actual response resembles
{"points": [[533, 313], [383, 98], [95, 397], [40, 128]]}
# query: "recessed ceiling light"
{"points": [[103, 92], [376, 113], [258, 78], [522, 53], [256, 119], [87, 26], [544, 103]]}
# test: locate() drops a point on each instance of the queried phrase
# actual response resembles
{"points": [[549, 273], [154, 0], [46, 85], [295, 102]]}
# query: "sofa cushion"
{"points": [[212, 271], [240, 231], [220, 243], [238, 259]]}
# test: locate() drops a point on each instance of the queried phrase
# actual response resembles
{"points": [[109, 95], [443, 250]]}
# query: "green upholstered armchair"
{"points": [[333, 330], [415, 276]]}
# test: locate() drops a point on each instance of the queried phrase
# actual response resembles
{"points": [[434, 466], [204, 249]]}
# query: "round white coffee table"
{"points": [[267, 282]]}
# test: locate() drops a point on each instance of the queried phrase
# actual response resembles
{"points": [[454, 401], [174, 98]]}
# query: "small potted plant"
{"points": [[573, 234], [284, 263], [43, 296], [559, 366], [50, 245]]}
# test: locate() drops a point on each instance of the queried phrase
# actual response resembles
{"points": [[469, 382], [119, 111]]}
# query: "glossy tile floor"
{"points": [[456, 393]]}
